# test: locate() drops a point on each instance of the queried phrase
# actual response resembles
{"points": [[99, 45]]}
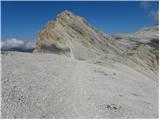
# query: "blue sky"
{"points": [[22, 20]]}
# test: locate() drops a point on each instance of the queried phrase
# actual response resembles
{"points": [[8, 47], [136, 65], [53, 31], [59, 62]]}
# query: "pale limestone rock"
{"points": [[141, 47], [72, 36]]}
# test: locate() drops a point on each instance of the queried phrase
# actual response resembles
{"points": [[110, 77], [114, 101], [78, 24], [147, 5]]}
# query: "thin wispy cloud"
{"points": [[146, 5]]}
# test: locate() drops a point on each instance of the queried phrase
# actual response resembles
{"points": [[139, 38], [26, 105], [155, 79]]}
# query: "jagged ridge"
{"points": [[71, 36], [74, 37]]}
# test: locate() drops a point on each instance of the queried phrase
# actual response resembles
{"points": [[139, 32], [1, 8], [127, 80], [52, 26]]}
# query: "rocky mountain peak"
{"points": [[72, 36], [67, 17], [65, 13]]}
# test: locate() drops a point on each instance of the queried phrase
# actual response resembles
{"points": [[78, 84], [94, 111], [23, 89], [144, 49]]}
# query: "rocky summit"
{"points": [[72, 36]]}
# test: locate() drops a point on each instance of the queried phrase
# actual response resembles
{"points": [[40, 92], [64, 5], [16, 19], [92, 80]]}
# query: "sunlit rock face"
{"points": [[141, 47], [72, 36]]}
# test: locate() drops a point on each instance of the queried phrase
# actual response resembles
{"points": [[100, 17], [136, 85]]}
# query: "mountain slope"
{"points": [[141, 47], [53, 86], [72, 36]]}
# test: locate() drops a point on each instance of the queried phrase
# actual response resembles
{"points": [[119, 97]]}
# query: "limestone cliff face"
{"points": [[71, 36]]}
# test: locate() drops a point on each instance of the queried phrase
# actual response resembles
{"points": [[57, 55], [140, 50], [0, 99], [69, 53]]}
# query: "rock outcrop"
{"points": [[71, 36], [141, 47], [74, 37]]}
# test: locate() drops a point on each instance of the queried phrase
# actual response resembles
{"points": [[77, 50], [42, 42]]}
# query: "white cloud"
{"points": [[152, 13], [16, 44]]}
